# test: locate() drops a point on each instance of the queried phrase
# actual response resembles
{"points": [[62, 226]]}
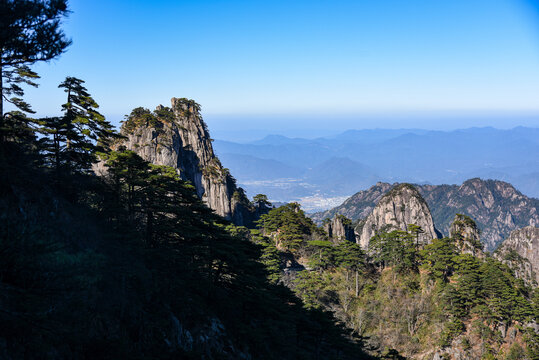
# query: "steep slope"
{"points": [[401, 206], [339, 229], [178, 137], [466, 235], [521, 252], [496, 206]]}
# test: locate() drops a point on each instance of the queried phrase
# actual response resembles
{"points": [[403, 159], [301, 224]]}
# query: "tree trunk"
{"points": [[149, 229], [357, 283], [1, 102]]}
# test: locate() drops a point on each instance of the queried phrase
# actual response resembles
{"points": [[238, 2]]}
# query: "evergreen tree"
{"points": [[323, 256], [88, 132], [396, 248], [351, 257], [261, 201], [30, 32], [437, 258]]}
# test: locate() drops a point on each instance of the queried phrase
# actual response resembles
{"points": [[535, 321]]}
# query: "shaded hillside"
{"points": [[133, 265], [496, 206]]}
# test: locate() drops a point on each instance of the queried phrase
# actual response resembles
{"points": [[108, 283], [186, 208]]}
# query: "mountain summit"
{"points": [[178, 137], [400, 207], [496, 206]]}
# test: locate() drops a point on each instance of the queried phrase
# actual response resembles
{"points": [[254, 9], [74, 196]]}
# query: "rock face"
{"points": [[520, 251], [466, 235], [401, 206], [496, 206], [358, 206], [178, 137], [340, 228]]}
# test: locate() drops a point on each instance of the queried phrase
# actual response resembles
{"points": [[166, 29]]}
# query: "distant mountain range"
{"points": [[496, 206], [289, 169]]}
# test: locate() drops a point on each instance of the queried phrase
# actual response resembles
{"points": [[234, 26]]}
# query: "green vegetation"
{"points": [[124, 265], [30, 33], [406, 298]]}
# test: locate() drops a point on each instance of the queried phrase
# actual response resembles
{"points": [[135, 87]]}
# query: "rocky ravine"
{"points": [[521, 252], [496, 206], [178, 137], [401, 206]]}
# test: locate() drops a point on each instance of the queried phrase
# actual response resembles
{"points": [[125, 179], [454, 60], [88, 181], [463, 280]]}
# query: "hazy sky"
{"points": [[352, 64]]}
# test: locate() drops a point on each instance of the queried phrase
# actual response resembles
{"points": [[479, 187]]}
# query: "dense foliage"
{"points": [[136, 266], [408, 298]]}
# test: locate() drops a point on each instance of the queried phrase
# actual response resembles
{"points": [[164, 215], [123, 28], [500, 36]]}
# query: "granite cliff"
{"points": [[466, 235], [400, 207], [340, 228], [496, 206], [178, 137], [520, 251]]}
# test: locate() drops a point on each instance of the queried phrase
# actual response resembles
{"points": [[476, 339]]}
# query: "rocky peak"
{"points": [[520, 251], [340, 228], [358, 206], [178, 137], [466, 235], [496, 206], [401, 206]]}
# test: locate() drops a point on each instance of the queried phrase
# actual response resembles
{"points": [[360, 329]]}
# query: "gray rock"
{"points": [[401, 206], [339, 229], [520, 251], [496, 206], [184, 143], [466, 235]]}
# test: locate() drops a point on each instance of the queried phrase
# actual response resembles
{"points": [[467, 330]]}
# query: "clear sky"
{"points": [[361, 63]]}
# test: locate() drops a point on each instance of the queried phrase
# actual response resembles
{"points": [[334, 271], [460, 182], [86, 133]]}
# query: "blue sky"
{"points": [[278, 65]]}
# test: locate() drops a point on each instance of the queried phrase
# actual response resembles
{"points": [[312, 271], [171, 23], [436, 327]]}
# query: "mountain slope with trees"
{"points": [[131, 264], [406, 299]]}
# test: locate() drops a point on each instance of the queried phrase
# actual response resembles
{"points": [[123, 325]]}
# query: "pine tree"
{"points": [[437, 258], [30, 32], [351, 257], [88, 132]]}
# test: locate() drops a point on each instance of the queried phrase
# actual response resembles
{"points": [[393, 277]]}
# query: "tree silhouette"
{"points": [[29, 32]]}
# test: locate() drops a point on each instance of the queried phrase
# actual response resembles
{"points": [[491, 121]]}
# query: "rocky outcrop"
{"points": [[178, 137], [400, 207], [339, 229], [466, 235], [358, 206], [496, 206], [520, 251]]}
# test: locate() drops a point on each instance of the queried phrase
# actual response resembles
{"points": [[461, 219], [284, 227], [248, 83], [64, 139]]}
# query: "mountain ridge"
{"points": [[496, 206], [402, 155]]}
